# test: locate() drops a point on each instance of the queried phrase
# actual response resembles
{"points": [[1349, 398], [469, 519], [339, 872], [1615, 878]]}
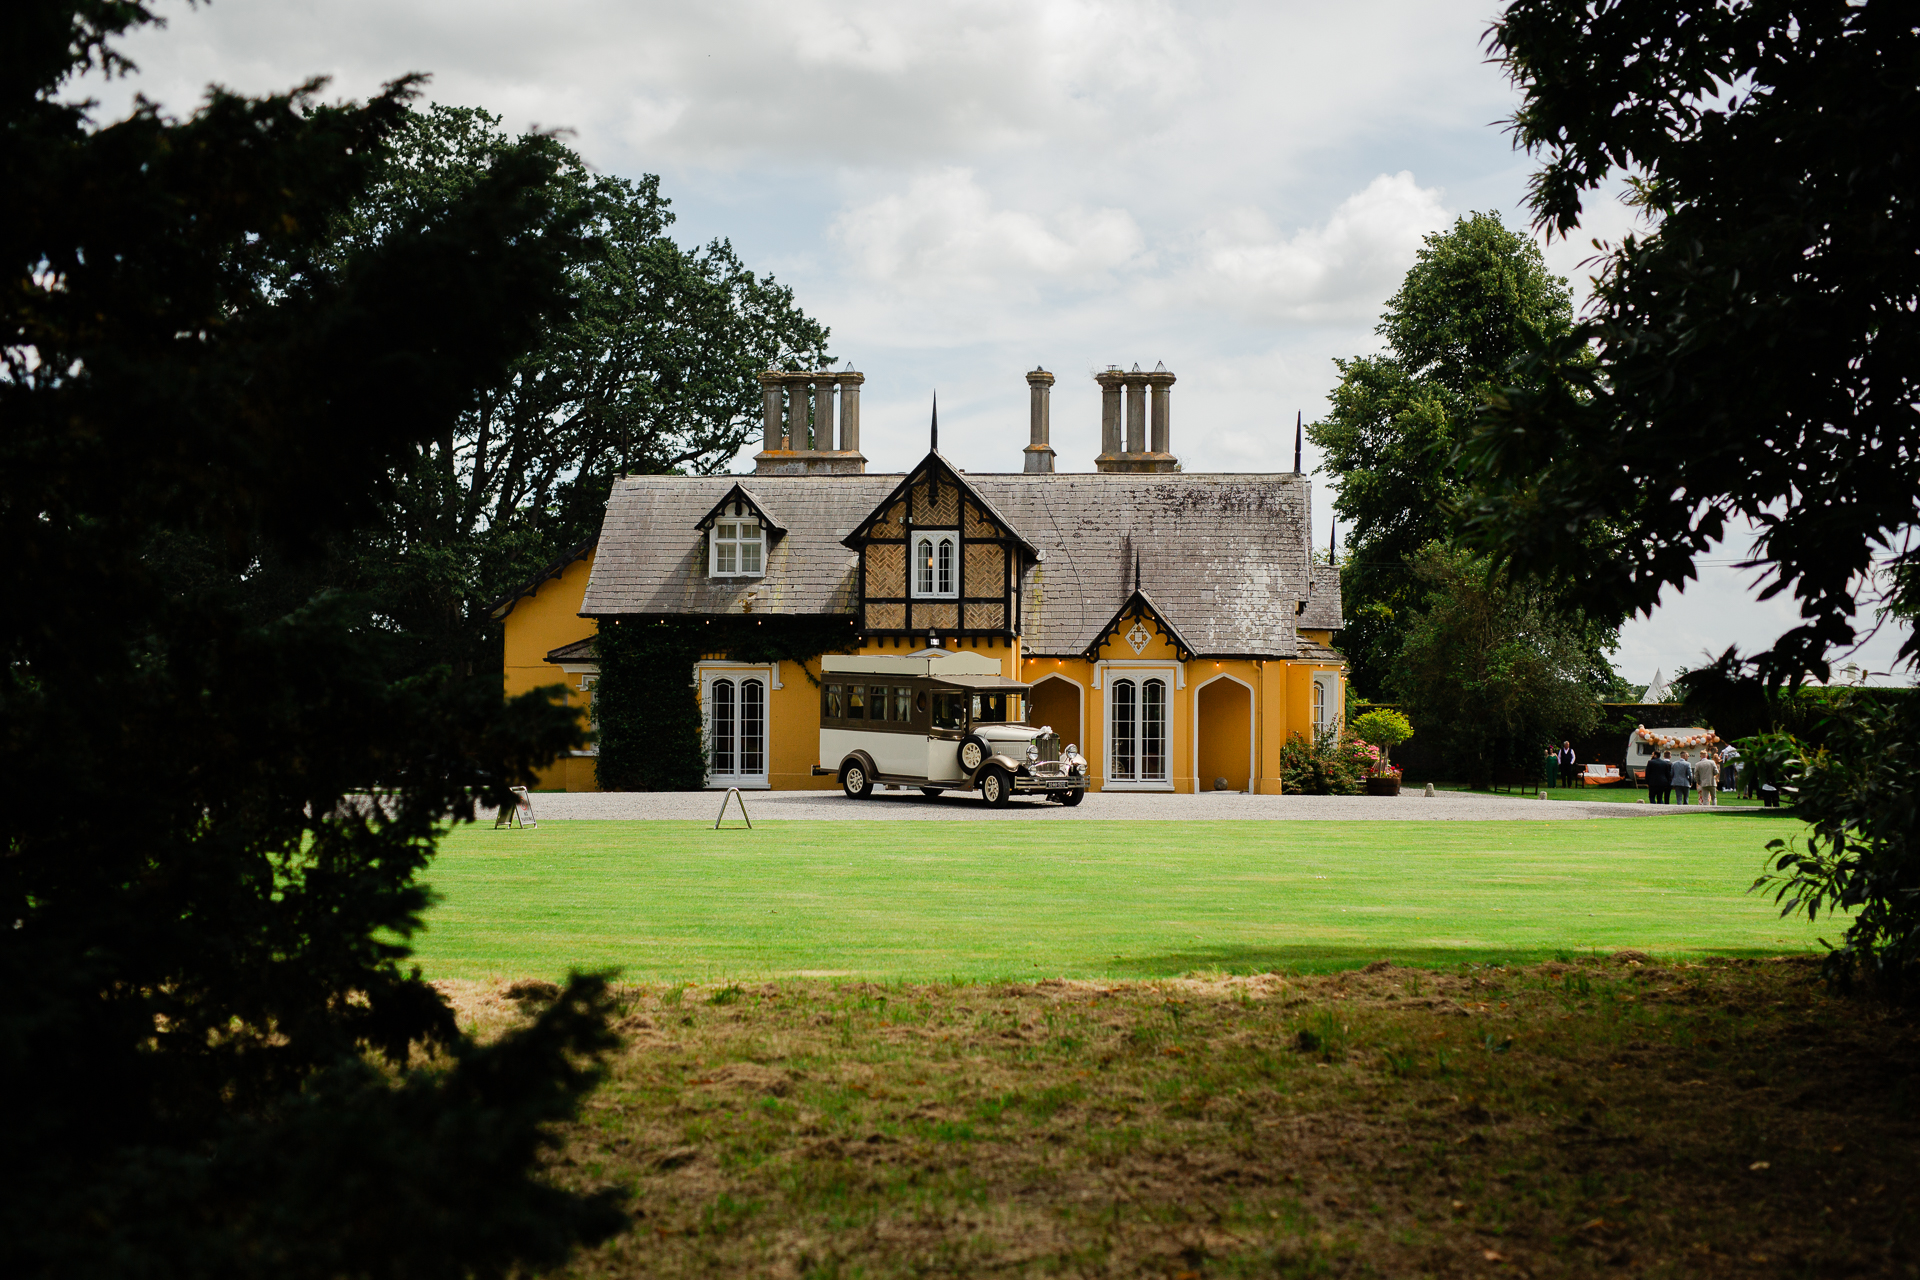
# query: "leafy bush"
{"points": [[1863, 855], [1384, 728], [1332, 764]]}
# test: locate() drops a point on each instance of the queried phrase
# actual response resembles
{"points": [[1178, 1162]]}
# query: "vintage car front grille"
{"points": [[1049, 744]]}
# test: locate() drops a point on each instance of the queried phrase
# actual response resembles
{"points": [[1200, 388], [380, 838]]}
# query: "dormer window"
{"points": [[736, 545], [936, 571]]}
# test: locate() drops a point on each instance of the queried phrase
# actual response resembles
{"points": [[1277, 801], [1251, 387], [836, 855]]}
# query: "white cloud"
{"points": [[1340, 270], [944, 232]]}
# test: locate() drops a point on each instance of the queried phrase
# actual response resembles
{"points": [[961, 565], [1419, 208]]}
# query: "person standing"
{"points": [[1706, 778], [1553, 768], [1730, 769], [1659, 771], [1682, 778], [1566, 764]]}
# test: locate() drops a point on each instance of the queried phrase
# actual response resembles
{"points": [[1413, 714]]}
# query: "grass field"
{"points": [[936, 900]]}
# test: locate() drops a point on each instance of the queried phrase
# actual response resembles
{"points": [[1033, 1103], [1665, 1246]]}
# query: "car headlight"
{"points": [[1033, 753]]}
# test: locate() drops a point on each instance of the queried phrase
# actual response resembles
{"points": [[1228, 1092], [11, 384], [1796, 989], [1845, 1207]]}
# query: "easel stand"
{"points": [[521, 809], [733, 793]]}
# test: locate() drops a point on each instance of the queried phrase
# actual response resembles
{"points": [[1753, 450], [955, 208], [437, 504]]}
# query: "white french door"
{"points": [[736, 706], [1136, 730]]}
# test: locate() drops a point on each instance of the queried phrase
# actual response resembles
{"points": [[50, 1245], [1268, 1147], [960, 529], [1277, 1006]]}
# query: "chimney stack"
{"points": [[1040, 450], [797, 435], [1149, 420]]}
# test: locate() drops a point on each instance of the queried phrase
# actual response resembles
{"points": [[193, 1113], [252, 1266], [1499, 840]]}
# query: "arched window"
{"points": [[736, 731], [1138, 711], [935, 574]]}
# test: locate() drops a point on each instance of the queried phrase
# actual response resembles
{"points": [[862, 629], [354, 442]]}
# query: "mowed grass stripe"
{"points": [[933, 900]]}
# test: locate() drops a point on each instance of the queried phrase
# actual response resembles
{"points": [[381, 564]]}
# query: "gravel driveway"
{"points": [[911, 806]]}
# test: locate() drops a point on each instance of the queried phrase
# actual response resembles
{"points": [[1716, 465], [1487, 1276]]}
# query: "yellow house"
{"points": [[1171, 623]]}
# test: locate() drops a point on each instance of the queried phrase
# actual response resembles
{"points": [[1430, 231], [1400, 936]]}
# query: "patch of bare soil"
{"points": [[1595, 1119]]}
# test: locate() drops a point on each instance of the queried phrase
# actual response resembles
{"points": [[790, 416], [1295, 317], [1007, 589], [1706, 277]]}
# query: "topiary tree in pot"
{"points": [[1386, 729]]}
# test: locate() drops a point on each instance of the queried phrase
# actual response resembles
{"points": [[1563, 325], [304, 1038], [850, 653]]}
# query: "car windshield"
{"points": [[996, 708]]}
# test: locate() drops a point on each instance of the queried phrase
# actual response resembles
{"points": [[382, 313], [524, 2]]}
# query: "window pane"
{"points": [[1153, 731], [946, 566], [723, 557], [726, 532], [877, 702], [749, 557], [723, 727], [1123, 762], [856, 702], [923, 567], [903, 704], [836, 705], [753, 727], [949, 711]]}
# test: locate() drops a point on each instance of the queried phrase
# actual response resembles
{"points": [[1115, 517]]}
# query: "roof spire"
{"points": [[1333, 540], [935, 444], [1136, 571], [1296, 441]]}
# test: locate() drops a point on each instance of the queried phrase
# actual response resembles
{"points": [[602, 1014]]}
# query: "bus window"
{"points": [[856, 702], [949, 710], [877, 700], [902, 704], [835, 702]]}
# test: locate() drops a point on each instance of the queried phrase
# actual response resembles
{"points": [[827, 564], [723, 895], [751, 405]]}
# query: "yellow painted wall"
{"points": [[1224, 709], [536, 626]]}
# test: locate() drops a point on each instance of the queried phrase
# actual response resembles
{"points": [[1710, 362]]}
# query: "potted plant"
{"points": [[1386, 729]]}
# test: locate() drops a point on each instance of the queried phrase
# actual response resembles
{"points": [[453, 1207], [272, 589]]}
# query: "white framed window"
{"points": [[736, 545], [936, 564], [1326, 702], [734, 701]]}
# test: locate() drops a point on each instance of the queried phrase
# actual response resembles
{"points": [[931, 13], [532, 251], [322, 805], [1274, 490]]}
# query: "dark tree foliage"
{"points": [[654, 371], [215, 1062], [1859, 857], [1759, 352], [1474, 299], [1490, 672]]}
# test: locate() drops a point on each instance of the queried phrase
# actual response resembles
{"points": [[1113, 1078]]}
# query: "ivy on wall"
{"points": [[646, 700]]}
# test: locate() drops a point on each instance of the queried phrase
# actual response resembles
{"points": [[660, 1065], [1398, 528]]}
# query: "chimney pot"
{"points": [[1039, 451]]}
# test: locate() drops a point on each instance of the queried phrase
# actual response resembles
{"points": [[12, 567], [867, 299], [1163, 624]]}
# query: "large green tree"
{"points": [[216, 1060], [1758, 362], [654, 371], [1490, 669], [1758, 352], [1476, 296]]}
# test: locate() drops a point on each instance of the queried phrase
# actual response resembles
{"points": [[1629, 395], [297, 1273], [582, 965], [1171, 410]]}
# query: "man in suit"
{"points": [[1706, 778], [1659, 773], [1566, 765]]}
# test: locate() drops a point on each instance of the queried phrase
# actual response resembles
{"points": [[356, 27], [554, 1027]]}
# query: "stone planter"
{"points": [[1383, 786]]}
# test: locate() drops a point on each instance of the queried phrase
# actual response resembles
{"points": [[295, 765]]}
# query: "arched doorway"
{"points": [[1223, 734], [1057, 701]]}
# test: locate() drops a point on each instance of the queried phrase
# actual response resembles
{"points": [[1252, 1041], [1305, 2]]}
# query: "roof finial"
{"points": [[1136, 571], [1296, 441], [1333, 540], [935, 445]]}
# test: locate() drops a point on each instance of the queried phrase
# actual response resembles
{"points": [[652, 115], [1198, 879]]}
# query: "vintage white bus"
{"points": [[940, 720]]}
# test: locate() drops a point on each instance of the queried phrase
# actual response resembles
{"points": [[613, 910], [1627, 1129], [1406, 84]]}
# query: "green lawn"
{"points": [[932, 900]]}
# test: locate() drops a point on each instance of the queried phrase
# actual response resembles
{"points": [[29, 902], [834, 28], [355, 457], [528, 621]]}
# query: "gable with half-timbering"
{"points": [[936, 557]]}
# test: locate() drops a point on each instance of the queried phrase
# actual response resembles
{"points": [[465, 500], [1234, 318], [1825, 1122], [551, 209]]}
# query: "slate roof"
{"points": [[1223, 556], [1323, 603], [578, 651]]}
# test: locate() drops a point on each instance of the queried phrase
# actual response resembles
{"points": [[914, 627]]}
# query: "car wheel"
{"points": [[1071, 798], [973, 753], [996, 788], [930, 791], [854, 780]]}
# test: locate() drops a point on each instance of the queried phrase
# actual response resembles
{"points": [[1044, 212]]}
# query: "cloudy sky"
{"points": [[963, 191]]}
